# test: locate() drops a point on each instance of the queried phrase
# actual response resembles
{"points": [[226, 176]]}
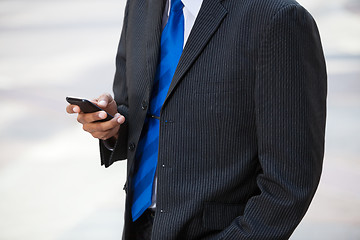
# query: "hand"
{"points": [[101, 130]]}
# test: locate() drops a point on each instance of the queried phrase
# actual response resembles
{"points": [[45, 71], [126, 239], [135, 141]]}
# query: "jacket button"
{"points": [[132, 147], [144, 105]]}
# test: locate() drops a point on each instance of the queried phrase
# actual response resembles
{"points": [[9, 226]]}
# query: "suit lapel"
{"points": [[153, 35], [207, 22]]}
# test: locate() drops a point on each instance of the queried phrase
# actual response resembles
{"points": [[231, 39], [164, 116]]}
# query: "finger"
{"points": [[105, 135], [120, 119], [86, 118], [104, 100], [92, 127], [105, 130], [72, 109], [76, 109]]}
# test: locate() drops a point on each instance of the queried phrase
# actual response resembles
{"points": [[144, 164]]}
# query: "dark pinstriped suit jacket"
{"points": [[242, 127]]}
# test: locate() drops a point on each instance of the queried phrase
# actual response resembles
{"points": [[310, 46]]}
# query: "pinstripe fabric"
{"points": [[242, 129]]}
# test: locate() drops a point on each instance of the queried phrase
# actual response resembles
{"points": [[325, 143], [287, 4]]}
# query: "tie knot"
{"points": [[176, 5]]}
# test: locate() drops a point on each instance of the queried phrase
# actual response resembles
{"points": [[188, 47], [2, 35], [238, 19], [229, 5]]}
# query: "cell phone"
{"points": [[87, 107]]}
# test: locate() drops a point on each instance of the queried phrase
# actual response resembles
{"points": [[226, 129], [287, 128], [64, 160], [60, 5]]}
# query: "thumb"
{"points": [[104, 100]]}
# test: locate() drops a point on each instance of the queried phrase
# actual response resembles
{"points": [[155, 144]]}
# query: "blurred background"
{"points": [[51, 182]]}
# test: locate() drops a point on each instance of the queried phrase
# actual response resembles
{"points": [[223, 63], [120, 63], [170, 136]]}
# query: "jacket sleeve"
{"points": [[119, 152], [290, 100]]}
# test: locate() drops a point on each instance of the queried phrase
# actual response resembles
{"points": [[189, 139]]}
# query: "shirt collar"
{"points": [[193, 6]]}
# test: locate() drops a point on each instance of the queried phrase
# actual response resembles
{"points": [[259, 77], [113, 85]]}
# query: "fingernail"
{"points": [[121, 119], [117, 115], [102, 115], [103, 103]]}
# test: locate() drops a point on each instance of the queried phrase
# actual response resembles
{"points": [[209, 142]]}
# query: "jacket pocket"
{"points": [[218, 216]]}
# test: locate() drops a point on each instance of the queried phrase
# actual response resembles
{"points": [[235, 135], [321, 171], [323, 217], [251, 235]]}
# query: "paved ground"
{"points": [[51, 185]]}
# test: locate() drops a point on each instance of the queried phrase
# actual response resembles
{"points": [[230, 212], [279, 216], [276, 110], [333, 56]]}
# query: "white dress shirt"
{"points": [[190, 10]]}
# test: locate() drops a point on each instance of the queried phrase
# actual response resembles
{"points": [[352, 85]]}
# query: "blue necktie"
{"points": [[172, 40]]}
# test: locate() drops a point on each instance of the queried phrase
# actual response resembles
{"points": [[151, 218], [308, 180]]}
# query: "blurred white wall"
{"points": [[51, 182]]}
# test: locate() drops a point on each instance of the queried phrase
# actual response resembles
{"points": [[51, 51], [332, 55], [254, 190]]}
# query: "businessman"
{"points": [[220, 109]]}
